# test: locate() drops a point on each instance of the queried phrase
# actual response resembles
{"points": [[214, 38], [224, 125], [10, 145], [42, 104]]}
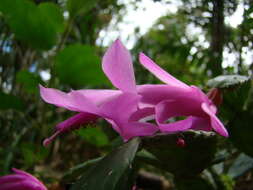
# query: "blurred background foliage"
{"points": [[58, 43]]}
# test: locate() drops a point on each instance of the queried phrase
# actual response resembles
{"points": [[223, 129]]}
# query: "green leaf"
{"points": [[29, 81], [10, 102], [227, 81], [78, 65], [53, 15], [93, 136], [108, 172], [76, 7], [78, 170], [37, 26], [236, 99], [185, 161]]}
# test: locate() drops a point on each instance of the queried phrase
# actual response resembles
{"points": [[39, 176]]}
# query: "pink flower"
{"points": [[130, 107], [119, 107], [174, 99], [20, 181]]}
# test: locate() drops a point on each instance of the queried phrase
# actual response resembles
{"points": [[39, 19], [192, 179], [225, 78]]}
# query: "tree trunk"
{"points": [[217, 38]]}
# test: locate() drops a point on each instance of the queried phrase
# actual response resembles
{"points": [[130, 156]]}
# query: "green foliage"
{"points": [[183, 161], [29, 81], [78, 65], [108, 172], [37, 26], [93, 136], [227, 81], [10, 102], [76, 7], [78, 170], [35, 37]]}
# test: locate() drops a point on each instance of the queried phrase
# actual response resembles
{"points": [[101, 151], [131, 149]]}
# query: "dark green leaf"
{"points": [[78, 65], [8, 101], [182, 161], [227, 81], [78, 170], [107, 173]]}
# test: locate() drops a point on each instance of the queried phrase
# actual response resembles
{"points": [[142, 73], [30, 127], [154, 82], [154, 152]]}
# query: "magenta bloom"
{"points": [[20, 181], [130, 107], [178, 99]]}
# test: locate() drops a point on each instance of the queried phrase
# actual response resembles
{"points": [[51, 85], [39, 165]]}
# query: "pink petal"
{"points": [[56, 97], [141, 114], [174, 108], [215, 122], [20, 181], [99, 97], [159, 72], [11, 178], [168, 109], [71, 123], [76, 120], [121, 107], [176, 126], [82, 104], [117, 65], [153, 94], [199, 123], [137, 129]]}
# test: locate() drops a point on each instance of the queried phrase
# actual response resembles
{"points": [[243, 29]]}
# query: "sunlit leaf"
{"points": [[78, 65], [227, 81], [37, 26]]}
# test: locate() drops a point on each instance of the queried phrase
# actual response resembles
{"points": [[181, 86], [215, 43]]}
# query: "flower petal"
{"points": [[99, 96], [20, 181], [159, 72], [71, 123], [120, 108], [168, 109], [199, 123], [56, 97], [118, 67], [176, 126], [215, 122], [137, 129], [153, 94], [76, 120]]}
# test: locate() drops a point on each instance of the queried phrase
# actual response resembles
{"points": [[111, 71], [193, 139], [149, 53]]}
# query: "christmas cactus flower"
{"points": [[119, 107], [130, 107], [175, 98], [20, 181]]}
